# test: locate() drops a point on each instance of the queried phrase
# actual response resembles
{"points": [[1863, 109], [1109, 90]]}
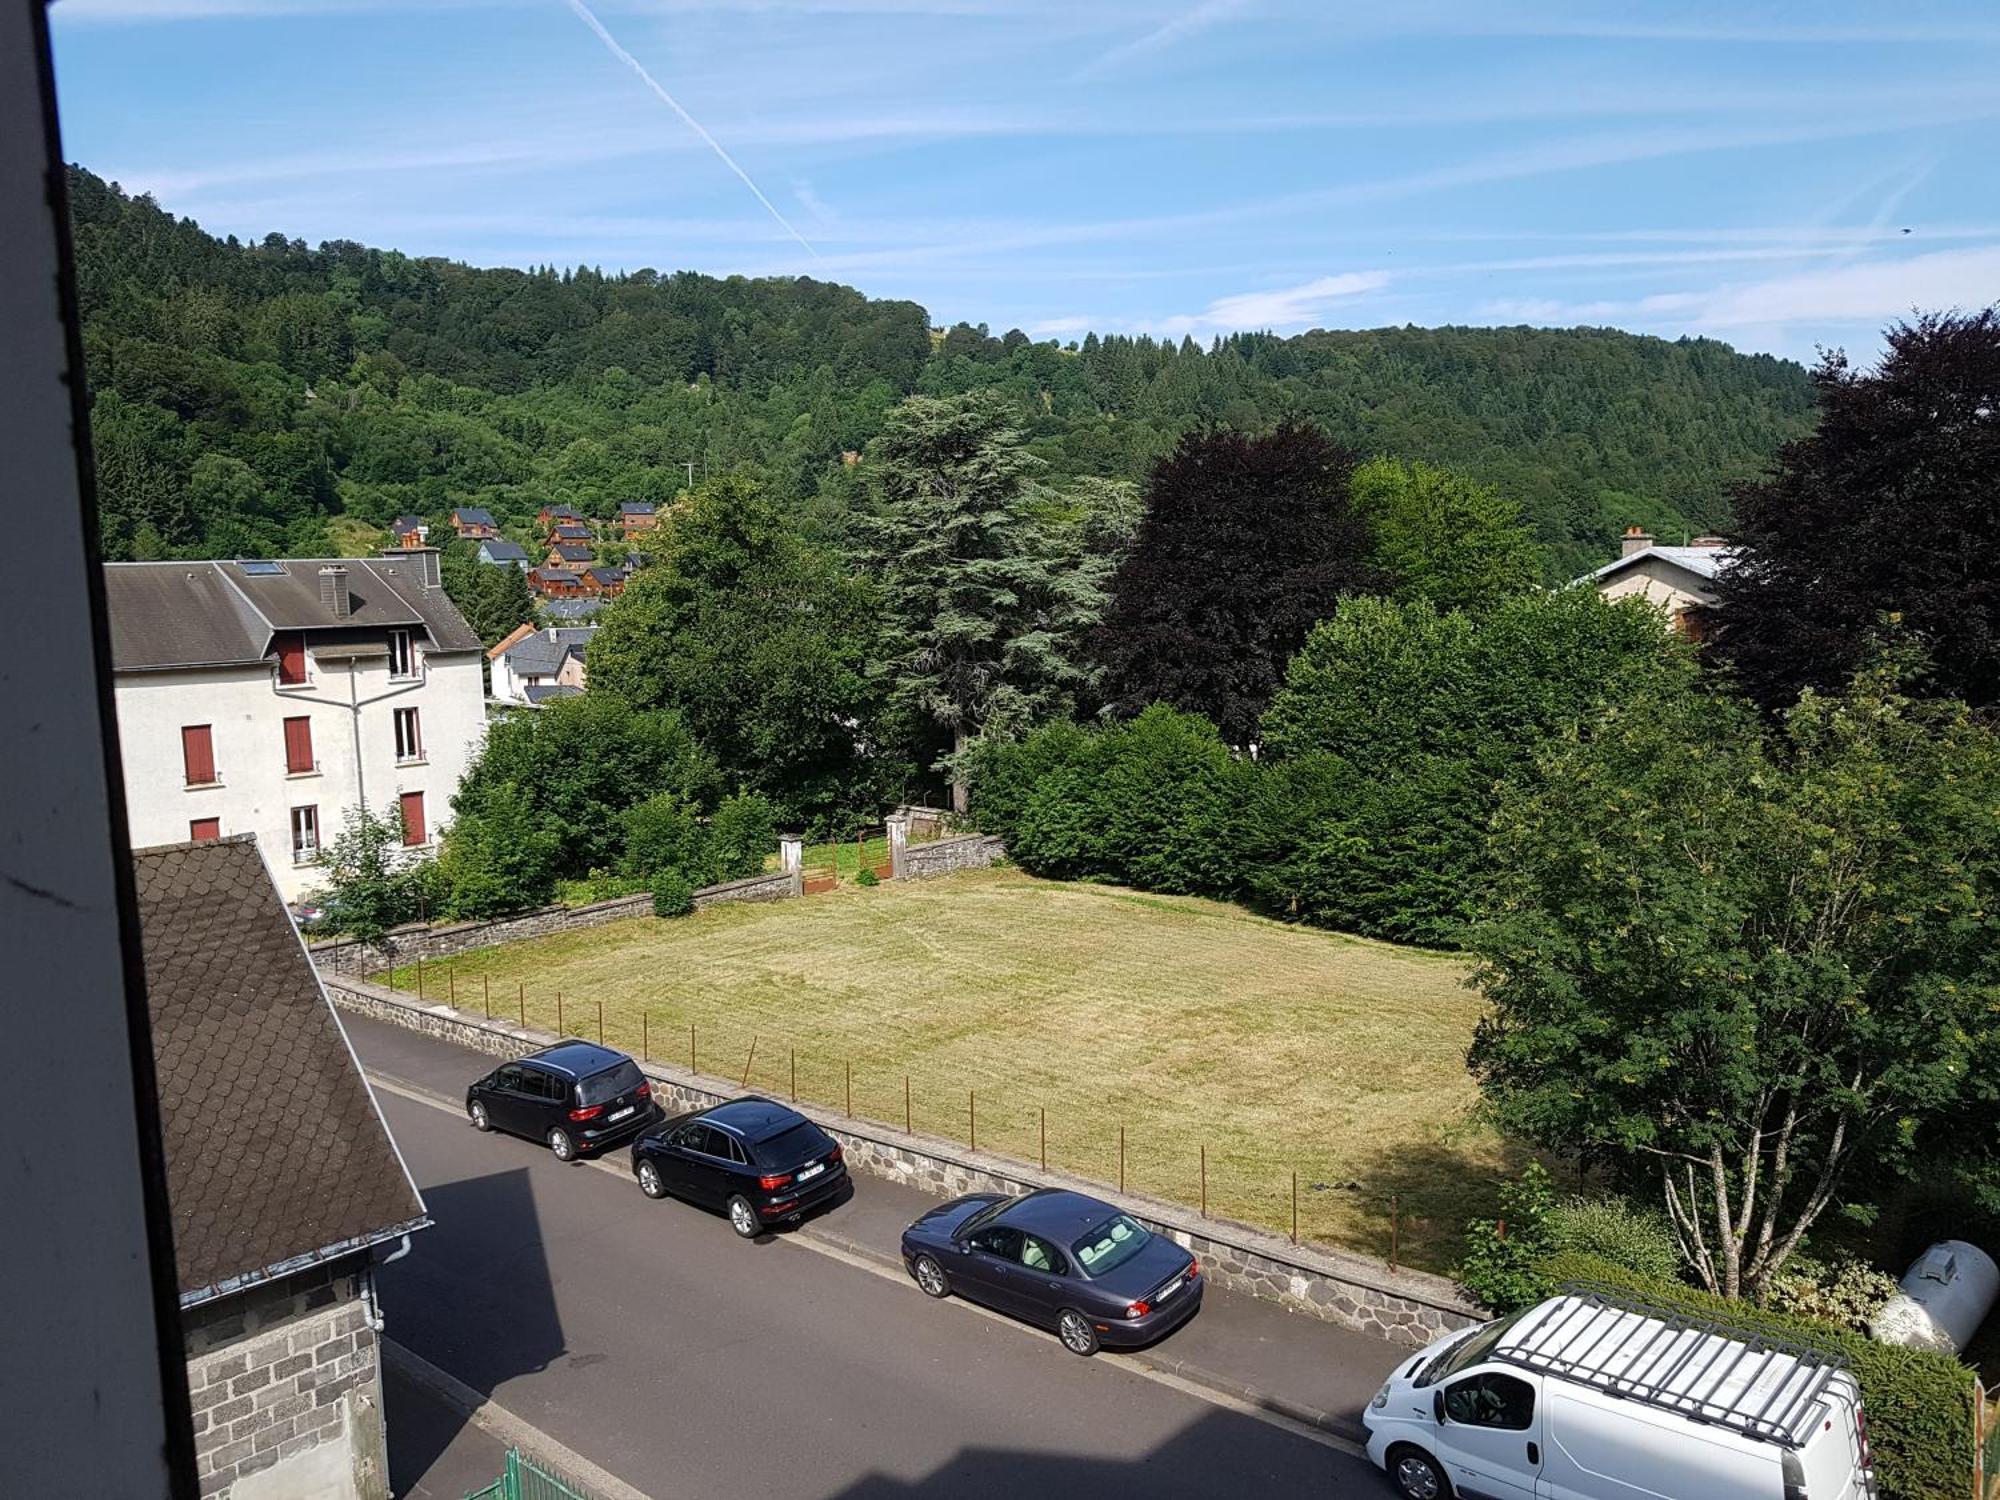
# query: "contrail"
{"points": [[589, 19]]}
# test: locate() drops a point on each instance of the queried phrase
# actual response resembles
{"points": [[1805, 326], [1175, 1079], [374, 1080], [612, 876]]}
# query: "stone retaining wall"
{"points": [[1407, 1307], [414, 940], [968, 851]]}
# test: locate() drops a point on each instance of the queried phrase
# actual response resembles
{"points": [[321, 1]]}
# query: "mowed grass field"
{"points": [[1188, 1023]]}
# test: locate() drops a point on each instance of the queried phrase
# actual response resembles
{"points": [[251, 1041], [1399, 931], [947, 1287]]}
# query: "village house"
{"points": [[551, 516], [531, 666], [474, 524], [409, 531], [1678, 580], [609, 582], [636, 516], [500, 554], [274, 697], [572, 611], [556, 583], [284, 1184], [569, 531], [574, 555]]}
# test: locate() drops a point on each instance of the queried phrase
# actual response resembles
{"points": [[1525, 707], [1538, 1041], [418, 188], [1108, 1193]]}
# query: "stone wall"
{"points": [[968, 851], [286, 1389], [413, 940], [1407, 1307]]}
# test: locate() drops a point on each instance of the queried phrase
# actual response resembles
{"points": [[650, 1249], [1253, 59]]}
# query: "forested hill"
{"points": [[249, 394]]}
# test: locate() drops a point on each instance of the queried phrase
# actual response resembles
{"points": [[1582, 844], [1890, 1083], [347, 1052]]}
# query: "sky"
{"points": [[1783, 176]]}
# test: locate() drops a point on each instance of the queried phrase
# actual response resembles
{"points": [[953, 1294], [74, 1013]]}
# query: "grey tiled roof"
{"points": [[541, 692], [541, 654], [572, 552], [499, 551], [276, 1154], [1703, 562], [473, 515], [184, 614], [407, 523], [634, 508], [571, 609]]}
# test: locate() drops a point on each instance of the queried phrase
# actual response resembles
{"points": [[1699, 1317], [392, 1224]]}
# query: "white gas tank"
{"points": [[1945, 1296]]}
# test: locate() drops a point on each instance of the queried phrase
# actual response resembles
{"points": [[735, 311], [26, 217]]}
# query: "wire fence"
{"points": [[1305, 1197]]}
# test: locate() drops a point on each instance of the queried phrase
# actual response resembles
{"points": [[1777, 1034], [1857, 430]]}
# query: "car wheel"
{"points": [[743, 1218], [1417, 1476], [650, 1182], [560, 1143], [476, 1112], [930, 1276], [1076, 1333]]}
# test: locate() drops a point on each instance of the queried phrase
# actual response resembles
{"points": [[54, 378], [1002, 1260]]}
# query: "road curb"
{"points": [[515, 1431], [1331, 1423]]}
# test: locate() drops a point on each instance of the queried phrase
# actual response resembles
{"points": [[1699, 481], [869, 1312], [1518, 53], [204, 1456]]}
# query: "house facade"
{"points": [[531, 666], [271, 698], [637, 517], [473, 523], [408, 531], [275, 1249], [573, 555], [556, 583], [498, 554], [1680, 581]]}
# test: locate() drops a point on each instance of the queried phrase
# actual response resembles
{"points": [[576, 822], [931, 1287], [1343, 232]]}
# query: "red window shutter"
{"points": [[413, 818], [291, 659], [298, 744], [197, 754], [205, 830]]}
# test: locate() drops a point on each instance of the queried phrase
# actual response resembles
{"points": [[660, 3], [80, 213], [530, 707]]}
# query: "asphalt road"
{"points": [[691, 1364]]}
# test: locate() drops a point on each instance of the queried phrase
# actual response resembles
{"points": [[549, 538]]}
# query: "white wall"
{"points": [[246, 712], [1662, 583]]}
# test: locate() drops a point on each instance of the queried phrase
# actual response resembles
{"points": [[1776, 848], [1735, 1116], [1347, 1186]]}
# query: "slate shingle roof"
{"points": [[572, 552], [541, 654], [186, 614], [634, 508], [276, 1154], [499, 552], [473, 515]]}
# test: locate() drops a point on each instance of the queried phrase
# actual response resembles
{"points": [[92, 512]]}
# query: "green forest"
{"points": [[259, 399]]}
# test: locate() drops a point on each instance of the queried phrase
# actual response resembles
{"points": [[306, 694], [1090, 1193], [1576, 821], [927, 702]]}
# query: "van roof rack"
{"points": [[1629, 1346]]}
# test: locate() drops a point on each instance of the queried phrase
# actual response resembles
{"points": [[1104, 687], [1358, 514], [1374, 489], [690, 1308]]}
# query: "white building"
{"points": [[532, 666], [271, 698], [1678, 580]]}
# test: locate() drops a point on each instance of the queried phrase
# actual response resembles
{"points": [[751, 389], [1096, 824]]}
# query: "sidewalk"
{"points": [[434, 1452], [1250, 1350]]}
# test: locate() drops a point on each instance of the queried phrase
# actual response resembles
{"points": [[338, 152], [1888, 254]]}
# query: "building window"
{"points": [[305, 835], [198, 754], [413, 819], [402, 655], [298, 746], [205, 830], [409, 738], [291, 651]]}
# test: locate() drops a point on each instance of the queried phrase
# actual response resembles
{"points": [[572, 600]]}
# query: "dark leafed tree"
{"points": [[1246, 543], [1891, 507]]}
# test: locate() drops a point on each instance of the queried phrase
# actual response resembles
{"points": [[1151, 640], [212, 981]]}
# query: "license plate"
{"points": [[812, 1171], [619, 1114], [1169, 1291]]}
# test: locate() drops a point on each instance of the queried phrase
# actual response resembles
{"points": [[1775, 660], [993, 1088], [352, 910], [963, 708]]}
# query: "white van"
{"points": [[1593, 1395]]}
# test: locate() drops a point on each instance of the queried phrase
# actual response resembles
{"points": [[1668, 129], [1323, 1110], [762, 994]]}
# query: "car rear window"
{"points": [[1111, 1244], [602, 1088], [789, 1146]]}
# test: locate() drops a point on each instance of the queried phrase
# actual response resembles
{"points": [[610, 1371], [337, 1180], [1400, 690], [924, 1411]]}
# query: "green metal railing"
{"points": [[525, 1479]]}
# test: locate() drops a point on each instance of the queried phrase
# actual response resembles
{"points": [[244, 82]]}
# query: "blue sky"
{"points": [[1782, 176]]}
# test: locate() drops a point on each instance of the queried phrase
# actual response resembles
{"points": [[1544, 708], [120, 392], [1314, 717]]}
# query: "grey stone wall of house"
{"points": [[967, 851], [414, 940], [286, 1387], [1406, 1307]]}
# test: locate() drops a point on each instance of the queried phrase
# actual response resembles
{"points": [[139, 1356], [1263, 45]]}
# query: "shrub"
{"points": [[599, 885], [1614, 1229], [1503, 1256], [497, 859], [664, 833], [743, 830], [1919, 1403], [673, 894], [867, 877], [1845, 1290]]}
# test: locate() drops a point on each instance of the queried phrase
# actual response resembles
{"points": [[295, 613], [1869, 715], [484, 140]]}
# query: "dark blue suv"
{"points": [[575, 1097]]}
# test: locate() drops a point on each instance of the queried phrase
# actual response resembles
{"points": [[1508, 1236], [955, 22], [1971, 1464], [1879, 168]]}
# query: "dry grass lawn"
{"points": [[1186, 1022]]}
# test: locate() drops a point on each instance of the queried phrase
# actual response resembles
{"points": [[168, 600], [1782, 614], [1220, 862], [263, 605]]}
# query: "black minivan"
{"points": [[753, 1158], [576, 1097]]}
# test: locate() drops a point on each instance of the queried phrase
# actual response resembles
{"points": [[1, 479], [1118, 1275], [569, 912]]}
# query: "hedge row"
{"points": [[1919, 1404]]}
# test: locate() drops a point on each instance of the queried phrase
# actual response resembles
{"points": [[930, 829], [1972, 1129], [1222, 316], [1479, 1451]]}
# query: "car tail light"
{"points": [[1139, 1309], [643, 1091], [834, 1155], [774, 1180], [590, 1112], [1194, 1268]]}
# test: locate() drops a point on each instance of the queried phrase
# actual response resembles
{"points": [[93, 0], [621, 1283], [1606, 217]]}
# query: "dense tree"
{"points": [[1754, 965], [761, 642], [494, 600], [497, 859], [1892, 506], [1247, 542], [1444, 538], [983, 609]]}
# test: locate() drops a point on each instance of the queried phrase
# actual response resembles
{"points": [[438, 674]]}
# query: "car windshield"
{"points": [[796, 1144], [1467, 1351], [602, 1088], [1110, 1244]]}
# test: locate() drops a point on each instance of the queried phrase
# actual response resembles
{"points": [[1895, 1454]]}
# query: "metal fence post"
{"points": [[600, 1023], [1204, 1179], [645, 1036], [850, 1091], [1043, 1110], [559, 1013], [451, 985], [691, 1067], [1121, 1158], [1295, 1205], [906, 1105], [521, 994], [972, 1119], [794, 1052], [486, 990], [1395, 1226], [750, 1061]]}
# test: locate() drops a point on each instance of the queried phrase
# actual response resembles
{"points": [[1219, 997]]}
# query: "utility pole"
{"points": [[688, 464]]}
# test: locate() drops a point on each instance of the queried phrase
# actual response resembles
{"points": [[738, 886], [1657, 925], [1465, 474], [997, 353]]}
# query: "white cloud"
{"points": [[1068, 327], [1179, 28], [1282, 310]]}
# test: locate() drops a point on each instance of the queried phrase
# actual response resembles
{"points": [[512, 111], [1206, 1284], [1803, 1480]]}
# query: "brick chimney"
{"points": [[422, 560], [333, 591], [1634, 540]]}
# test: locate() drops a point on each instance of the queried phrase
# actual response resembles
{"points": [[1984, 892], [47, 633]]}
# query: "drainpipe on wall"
{"points": [[354, 722]]}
